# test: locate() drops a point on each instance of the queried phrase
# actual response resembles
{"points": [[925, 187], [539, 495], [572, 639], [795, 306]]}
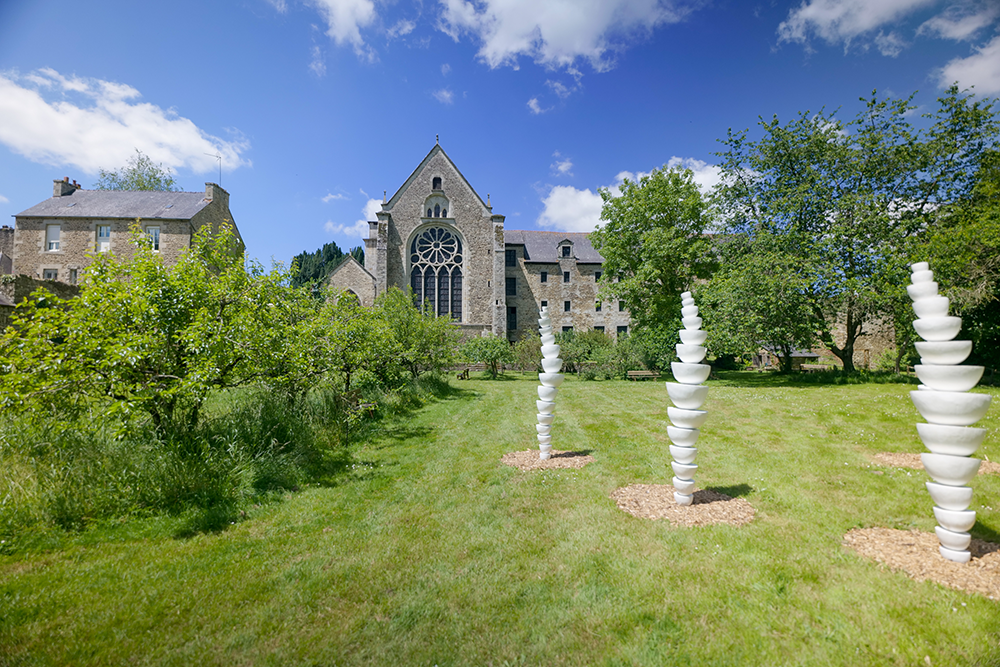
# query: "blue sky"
{"points": [[319, 106]]}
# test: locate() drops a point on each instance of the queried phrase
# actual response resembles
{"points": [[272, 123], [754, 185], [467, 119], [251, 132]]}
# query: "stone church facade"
{"points": [[438, 237]]}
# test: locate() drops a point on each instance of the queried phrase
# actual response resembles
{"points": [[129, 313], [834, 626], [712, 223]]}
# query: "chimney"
{"points": [[63, 187], [214, 192]]}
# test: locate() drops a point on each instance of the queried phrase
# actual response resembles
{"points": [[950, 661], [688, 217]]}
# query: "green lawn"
{"points": [[428, 551]]}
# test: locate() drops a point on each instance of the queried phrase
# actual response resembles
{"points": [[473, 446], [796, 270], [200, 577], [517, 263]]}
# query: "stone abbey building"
{"points": [[438, 237]]}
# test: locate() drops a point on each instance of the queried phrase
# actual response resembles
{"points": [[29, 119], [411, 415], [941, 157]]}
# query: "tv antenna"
{"points": [[219, 158]]}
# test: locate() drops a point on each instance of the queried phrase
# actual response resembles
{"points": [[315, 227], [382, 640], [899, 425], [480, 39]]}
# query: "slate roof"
{"points": [[543, 247], [120, 204]]}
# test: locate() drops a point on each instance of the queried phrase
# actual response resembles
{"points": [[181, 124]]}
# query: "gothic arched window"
{"points": [[436, 271]]}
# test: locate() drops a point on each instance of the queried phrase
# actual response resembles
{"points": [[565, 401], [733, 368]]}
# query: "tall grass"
{"points": [[252, 446]]}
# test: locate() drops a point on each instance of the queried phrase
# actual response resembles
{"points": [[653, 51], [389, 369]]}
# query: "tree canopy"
{"points": [[653, 243], [846, 200], [139, 173]]}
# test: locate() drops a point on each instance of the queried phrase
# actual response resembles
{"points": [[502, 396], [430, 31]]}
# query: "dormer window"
{"points": [[436, 183], [566, 250]]}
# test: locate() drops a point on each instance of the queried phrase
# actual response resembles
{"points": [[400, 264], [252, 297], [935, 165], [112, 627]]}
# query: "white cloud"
{"points": [[317, 65], [560, 89], [444, 96], [344, 21], [360, 227], [279, 5], [535, 107], [445, 69], [706, 176], [556, 33], [568, 209], [843, 20], [981, 70], [4, 200], [333, 197], [960, 22], [561, 167], [890, 45], [102, 126], [402, 28]]}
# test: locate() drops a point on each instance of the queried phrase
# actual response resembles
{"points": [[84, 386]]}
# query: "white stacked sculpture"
{"points": [[950, 411], [687, 396], [551, 378]]}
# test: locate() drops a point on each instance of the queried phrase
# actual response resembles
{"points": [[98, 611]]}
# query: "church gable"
{"points": [[350, 276]]}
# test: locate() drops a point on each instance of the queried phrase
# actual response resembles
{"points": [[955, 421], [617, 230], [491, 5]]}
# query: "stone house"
{"points": [[56, 239], [438, 237]]}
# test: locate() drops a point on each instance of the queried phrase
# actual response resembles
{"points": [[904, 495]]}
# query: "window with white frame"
{"points": [[50, 274], [52, 237], [154, 236], [103, 238]]}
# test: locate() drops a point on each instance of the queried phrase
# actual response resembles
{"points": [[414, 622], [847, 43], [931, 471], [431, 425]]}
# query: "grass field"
{"points": [[425, 550]]}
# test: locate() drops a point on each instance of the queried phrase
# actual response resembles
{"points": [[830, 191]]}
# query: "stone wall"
{"points": [[467, 215], [351, 276], [6, 249], [15, 289], [879, 338], [582, 292]]}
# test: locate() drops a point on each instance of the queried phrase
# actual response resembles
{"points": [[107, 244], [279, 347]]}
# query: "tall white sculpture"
{"points": [[550, 379], [950, 411], [688, 395]]}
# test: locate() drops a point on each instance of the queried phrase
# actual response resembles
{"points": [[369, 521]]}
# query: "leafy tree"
{"points": [[491, 350], [139, 173], [143, 338], [527, 354], [354, 338], [653, 243], [425, 342], [758, 298], [845, 199]]}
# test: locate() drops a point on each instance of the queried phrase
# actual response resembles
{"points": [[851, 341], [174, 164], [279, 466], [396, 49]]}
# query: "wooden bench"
{"points": [[643, 375]]}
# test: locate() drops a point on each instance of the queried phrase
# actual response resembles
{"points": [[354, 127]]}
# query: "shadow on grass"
{"points": [[734, 491], [754, 379], [987, 533], [573, 454]]}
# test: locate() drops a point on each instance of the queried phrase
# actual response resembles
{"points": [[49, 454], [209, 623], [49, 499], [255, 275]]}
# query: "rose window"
{"points": [[436, 271]]}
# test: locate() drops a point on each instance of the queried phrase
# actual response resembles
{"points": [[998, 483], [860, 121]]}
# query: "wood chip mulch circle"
{"points": [[529, 460], [656, 501], [916, 554], [912, 461]]}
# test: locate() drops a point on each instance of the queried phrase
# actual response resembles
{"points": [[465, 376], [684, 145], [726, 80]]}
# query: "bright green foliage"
{"points": [[143, 338], [576, 348], [758, 298], [424, 342], [528, 354], [353, 338], [314, 267], [845, 200], [138, 174], [652, 243], [491, 350]]}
